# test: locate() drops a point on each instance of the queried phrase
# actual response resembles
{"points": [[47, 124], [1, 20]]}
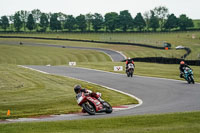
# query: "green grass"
{"points": [[26, 55], [129, 51], [165, 123], [30, 93]]}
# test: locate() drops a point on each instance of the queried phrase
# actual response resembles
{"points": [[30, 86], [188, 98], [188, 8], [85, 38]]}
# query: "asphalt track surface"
{"points": [[158, 95], [114, 55]]}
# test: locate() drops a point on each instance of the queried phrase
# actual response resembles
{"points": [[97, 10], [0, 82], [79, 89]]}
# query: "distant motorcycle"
{"points": [[130, 70], [188, 75], [91, 105]]}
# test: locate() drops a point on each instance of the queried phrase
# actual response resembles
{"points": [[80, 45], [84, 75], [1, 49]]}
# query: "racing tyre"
{"points": [[192, 80], [89, 108], [108, 107]]}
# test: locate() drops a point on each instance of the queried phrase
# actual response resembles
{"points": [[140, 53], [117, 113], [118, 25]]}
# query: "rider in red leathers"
{"points": [[78, 89], [128, 61]]}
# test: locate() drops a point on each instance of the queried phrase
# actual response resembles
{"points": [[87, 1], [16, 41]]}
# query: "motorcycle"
{"points": [[188, 75], [91, 105], [130, 70]]}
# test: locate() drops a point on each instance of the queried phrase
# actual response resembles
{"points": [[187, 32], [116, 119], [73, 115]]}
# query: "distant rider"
{"points": [[128, 61], [78, 89], [182, 67]]}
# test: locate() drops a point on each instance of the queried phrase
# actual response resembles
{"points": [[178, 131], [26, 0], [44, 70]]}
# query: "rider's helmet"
{"points": [[182, 62], [77, 88], [129, 58]]}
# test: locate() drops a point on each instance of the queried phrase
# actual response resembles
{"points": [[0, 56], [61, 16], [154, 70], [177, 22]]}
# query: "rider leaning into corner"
{"points": [[128, 61], [182, 67], [78, 89]]}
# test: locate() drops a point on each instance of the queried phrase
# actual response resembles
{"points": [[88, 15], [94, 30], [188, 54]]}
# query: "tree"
{"points": [[44, 22], [139, 22], [184, 22], [30, 23], [147, 16], [62, 17], [81, 22], [17, 21], [4, 22], [125, 20], [89, 18], [23, 16], [161, 13], [172, 22], [111, 21], [153, 22], [97, 21], [11, 19], [70, 23], [55, 24], [36, 16], [0, 23]]}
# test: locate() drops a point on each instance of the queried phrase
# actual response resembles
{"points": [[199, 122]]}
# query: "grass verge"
{"points": [[165, 123], [34, 55]]}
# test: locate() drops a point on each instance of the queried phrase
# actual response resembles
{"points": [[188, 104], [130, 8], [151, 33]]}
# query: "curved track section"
{"points": [[114, 55], [158, 95]]}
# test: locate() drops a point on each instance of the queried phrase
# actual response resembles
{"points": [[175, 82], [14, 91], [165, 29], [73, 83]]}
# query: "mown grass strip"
{"points": [[165, 123], [34, 55]]}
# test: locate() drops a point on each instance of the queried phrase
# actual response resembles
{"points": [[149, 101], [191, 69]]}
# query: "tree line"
{"points": [[153, 20]]}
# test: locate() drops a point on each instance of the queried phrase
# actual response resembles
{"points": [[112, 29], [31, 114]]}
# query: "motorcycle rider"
{"points": [[78, 89], [182, 67], [128, 61]]}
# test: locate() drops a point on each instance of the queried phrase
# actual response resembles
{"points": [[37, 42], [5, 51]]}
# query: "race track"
{"points": [[158, 95]]}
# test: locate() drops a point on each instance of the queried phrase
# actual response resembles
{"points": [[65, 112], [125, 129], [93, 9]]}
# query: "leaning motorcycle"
{"points": [[91, 105], [130, 70], [188, 75]]}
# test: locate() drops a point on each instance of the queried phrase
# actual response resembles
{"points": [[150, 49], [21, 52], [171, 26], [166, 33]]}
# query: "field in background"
{"points": [[188, 39], [129, 51]]}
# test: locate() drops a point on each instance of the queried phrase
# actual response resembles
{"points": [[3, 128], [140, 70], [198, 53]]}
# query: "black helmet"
{"points": [[77, 88]]}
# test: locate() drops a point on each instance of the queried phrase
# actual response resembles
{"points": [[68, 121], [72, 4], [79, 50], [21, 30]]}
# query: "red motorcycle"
{"points": [[91, 105]]}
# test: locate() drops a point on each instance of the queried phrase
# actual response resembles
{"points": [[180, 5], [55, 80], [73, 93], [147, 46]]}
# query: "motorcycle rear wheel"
{"points": [[89, 108]]}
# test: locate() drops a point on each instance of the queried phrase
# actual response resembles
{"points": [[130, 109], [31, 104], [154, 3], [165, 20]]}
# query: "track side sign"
{"points": [[72, 63], [118, 68]]}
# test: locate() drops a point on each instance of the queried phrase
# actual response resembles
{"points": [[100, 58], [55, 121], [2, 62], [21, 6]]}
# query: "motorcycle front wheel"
{"points": [[89, 108], [192, 79], [108, 107]]}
